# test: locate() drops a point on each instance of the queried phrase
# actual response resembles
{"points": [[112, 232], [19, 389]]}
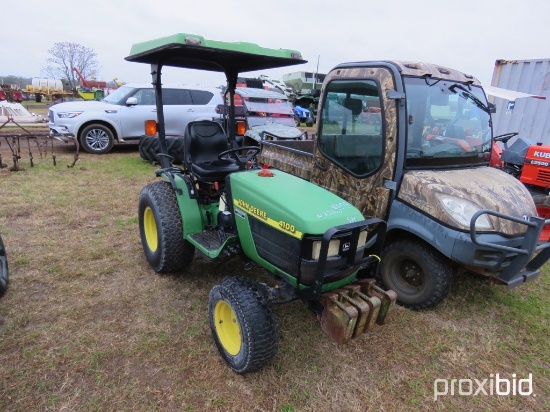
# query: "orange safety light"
{"points": [[241, 128], [150, 127]]}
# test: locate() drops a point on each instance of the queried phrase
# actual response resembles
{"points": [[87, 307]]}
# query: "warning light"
{"points": [[265, 172], [150, 127]]}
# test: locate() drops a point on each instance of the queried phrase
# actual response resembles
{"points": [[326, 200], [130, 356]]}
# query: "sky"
{"points": [[467, 35]]}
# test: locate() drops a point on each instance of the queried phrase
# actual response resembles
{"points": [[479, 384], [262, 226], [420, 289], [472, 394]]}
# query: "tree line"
{"points": [[63, 57]]}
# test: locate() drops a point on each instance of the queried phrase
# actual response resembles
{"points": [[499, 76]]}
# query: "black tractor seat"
{"points": [[204, 141]]}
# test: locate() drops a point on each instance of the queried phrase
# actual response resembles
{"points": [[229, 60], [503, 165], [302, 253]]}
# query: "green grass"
{"points": [[87, 326]]}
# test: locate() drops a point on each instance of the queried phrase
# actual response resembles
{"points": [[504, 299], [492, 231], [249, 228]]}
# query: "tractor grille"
{"points": [[276, 247], [543, 175]]}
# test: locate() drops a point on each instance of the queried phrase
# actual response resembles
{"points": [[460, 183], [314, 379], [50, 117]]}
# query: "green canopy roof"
{"points": [[195, 52]]}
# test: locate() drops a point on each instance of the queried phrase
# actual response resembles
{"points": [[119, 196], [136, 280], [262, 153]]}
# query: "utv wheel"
{"points": [[242, 324], [96, 139], [4, 273], [419, 275], [161, 229]]}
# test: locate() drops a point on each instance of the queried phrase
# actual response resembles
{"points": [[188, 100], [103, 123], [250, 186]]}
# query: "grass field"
{"points": [[87, 326]]}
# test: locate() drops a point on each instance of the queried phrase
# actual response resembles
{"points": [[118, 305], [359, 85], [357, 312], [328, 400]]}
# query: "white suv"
{"points": [[120, 117]]}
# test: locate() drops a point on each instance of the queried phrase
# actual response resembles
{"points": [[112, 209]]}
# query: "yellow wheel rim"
{"points": [[227, 328], [150, 229]]}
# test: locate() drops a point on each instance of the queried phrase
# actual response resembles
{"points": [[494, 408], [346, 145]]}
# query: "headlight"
{"points": [[333, 248], [462, 210], [68, 115]]}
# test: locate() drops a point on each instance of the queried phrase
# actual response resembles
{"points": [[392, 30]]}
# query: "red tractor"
{"points": [[529, 161]]}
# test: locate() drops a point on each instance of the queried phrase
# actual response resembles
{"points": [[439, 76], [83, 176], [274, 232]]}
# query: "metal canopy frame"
{"points": [[195, 52]]}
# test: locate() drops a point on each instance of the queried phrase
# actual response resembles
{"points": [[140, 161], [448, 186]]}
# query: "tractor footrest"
{"points": [[210, 239], [354, 309]]}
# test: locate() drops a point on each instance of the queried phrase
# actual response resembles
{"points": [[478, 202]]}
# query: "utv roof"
{"points": [[195, 52]]}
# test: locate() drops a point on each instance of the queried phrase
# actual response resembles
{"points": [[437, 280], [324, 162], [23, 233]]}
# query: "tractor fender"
{"points": [[188, 205]]}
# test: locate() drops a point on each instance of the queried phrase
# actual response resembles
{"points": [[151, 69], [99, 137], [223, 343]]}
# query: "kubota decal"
{"points": [[261, 214]]}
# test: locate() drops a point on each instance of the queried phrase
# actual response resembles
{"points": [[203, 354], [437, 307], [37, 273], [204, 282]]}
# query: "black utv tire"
{"points": [[419, 274], [96, 139], [161, 229], [4, 272], [242, 324]]}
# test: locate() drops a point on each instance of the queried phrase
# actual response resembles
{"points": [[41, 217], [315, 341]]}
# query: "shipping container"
{"points": [[530, 117]]}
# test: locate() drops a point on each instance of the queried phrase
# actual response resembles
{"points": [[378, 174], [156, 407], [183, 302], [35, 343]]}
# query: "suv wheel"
{"points": [[96, 139]]}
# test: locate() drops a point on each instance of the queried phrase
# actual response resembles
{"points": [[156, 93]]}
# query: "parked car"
{"points": [[120, 116]]}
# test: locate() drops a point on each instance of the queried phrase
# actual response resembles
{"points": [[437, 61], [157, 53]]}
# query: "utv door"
{"points": [[357, 137]]}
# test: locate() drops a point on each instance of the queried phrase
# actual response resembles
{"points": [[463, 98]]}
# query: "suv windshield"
{"points": [[119, 94], [448, 124]]}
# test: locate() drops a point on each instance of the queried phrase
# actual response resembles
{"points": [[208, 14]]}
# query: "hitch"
{"points": [[354, 309]]}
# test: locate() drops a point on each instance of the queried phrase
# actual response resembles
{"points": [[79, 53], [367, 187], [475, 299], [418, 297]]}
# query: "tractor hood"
{"points": [[274, 131], [453, 196], [289, 204]]}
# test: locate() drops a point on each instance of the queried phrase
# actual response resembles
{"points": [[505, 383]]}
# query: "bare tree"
{"points": [[64, 56]]}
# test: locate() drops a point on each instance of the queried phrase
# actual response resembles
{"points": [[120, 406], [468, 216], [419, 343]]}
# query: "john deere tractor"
{"points": [[316, 246]]}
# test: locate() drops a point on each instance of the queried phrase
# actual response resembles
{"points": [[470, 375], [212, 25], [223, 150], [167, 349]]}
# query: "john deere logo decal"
{"points": [[262, 215]]}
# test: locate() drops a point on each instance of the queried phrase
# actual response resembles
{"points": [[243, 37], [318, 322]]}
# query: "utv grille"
{"points": [[276, 247]]}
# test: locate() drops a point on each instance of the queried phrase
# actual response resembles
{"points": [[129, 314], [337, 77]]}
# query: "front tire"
{"points": [[161, 229], [4, 272], [419, 274], [96, 139], [242, 324]]}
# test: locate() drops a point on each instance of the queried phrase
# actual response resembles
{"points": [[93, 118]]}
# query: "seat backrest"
{"points": [[355, 105], [204, 141]]}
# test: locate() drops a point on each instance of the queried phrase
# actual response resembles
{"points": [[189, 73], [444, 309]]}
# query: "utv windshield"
{"points": [[448, 124]]}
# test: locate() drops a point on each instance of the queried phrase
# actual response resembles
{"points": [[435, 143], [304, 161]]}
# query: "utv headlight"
{"points": [[461, 211], [68, 115]]}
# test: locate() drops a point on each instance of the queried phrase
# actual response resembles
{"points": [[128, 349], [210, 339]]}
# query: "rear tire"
{"points": [[242, 324], [4, 272], [149, 149], [419, 274], [161, 229], [149, 146]]}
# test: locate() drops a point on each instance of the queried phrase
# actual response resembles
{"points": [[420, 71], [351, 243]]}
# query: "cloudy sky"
{"points": [[468, 35]]}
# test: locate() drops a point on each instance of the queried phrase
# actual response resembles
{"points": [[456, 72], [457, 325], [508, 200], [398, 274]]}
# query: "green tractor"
{"points": [[316, 246]]}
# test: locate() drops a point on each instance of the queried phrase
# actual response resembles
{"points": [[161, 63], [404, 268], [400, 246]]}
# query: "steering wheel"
{"points": [[505, 137], [241, 160]]}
